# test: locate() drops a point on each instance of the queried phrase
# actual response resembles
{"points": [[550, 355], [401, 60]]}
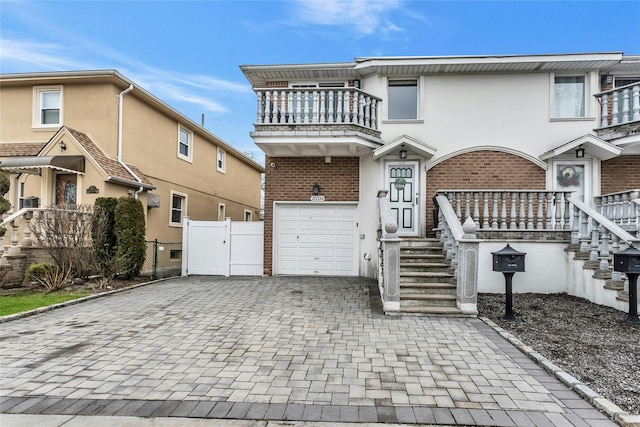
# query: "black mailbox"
{"points": [[508, 260], [627, 261]]}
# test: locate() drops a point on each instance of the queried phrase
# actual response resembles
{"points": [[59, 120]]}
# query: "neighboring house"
{"points": [[335, 134], [70, 137]]}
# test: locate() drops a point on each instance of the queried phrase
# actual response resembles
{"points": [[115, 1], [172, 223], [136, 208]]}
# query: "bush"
{"points": [[50, 276], [104, 235], [130, 229]]}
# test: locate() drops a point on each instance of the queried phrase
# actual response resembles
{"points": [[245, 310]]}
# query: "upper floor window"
{"points": [[47, 106], [569, 97], [402, 103], [178, 207], [247, 215], [185, 149], [220, 162]]}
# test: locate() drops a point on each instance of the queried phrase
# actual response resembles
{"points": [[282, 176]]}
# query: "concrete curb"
{"points": [[597, 401], [21, 315]]}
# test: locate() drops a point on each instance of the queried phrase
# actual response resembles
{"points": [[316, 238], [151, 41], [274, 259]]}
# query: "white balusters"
{"points": [[530, 214], [635, 95], [485, 211], [539, 224], [616, 97], [494, 215], [512, 224], [625, 105], [522, 224], [605, 110], [604, 249], [476, 212]]}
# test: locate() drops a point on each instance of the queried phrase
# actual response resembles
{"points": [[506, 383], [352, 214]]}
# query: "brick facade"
{"points": [[292, 179], [482, 170], [620, 173]]}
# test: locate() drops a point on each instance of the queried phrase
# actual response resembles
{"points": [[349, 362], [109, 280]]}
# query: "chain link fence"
{"points": [[164, 259]]}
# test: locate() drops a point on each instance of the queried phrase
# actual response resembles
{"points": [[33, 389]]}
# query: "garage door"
{"points": [[313, 239]]}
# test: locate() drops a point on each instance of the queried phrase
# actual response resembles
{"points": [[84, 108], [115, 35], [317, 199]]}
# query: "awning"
{"points": [[33, 164], [592, 145]]}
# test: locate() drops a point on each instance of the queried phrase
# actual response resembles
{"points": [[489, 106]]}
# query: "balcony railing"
{"points": [[620, 105], [317, 106], [623, 209]]}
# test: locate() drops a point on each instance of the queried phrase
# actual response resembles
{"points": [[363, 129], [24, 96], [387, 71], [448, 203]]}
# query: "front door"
{"points": [[66, 186], [402, 183]]}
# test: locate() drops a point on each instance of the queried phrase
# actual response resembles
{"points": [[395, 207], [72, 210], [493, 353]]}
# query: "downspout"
{"points": [[119, 154]]}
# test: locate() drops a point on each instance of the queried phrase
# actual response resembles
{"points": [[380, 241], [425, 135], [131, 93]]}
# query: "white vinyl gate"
{"points": [[222, 248]]}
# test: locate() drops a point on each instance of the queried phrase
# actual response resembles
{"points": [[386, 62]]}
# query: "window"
{"points": [[21, 195], [220, 162], [184, 144], [247, 215], [221, 212], [48, 106], [403, 100], [568, 96], [178, 208], [175, 254]]}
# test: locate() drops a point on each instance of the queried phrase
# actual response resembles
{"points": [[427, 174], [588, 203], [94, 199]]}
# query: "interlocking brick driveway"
{"points": [[280, 348]]}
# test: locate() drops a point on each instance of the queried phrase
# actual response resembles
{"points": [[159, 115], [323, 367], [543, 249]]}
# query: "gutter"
{"points": [[119, 154]]}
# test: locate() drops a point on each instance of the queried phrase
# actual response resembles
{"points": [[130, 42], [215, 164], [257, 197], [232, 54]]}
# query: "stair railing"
{"points": [[599, 237], [462, 248], [389, 266]]}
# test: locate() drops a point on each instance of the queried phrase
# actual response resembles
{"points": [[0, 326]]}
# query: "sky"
{"points": [[188, 53]]}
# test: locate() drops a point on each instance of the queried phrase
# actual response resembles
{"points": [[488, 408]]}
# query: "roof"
{"points": [[259, 75], [114, 77], [15, 149], [111, 167]]}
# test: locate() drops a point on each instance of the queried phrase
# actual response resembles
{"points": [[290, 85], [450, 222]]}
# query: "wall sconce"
{"points": [[62, 145], [580, 152], [608, 79], [316, 189], [403, 153]]}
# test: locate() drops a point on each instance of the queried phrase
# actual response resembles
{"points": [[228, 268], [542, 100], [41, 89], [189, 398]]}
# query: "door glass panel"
{"points": [[66, 189], [570, 177]]}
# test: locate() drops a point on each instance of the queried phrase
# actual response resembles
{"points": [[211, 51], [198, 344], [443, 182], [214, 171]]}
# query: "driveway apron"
{"points": [[274, 348]]}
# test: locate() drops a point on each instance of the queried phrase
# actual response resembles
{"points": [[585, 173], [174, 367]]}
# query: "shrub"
{"points": [[50, 276], [129, 229], [103, 231]]}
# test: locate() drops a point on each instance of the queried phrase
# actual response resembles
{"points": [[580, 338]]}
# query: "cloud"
{"points": [[22, 54], [366, 16]]}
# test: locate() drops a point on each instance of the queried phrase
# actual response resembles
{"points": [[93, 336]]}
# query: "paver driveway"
{"points": [[284, 348]]}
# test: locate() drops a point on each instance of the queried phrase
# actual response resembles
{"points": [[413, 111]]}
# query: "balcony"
{"points": [[620, 112], [316, 122]]}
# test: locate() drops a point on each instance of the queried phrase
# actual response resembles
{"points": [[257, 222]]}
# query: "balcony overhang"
{"points": [[592, 145], [412, 145], [315, 143], [34, 164]]}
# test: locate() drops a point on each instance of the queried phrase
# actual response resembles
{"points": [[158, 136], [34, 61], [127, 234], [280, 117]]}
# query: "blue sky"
{"points": [[188, 53]]}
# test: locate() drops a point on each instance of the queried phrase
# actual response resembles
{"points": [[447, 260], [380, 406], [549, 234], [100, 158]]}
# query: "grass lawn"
{"points": [[16, 303]]}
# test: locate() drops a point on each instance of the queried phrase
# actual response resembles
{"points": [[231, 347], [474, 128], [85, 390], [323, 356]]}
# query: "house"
{"points": [[504, 139], [70, 137]]}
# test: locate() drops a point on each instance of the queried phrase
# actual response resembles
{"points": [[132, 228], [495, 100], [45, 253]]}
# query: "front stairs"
{"points": [[427, 283]]}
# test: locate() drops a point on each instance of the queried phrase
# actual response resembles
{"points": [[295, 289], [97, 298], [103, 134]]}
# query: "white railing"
{"points": [[18, 224], [512, 209], [389, 256], [317, 106], [450, 226], [620, 105], [622, 208]]}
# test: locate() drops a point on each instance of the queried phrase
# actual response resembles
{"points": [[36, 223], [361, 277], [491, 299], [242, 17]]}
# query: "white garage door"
{"points": [[316, 239]]}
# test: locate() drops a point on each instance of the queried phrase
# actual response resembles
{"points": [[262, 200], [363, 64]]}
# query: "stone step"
{"points": [[425, 277], [427, 288], [409, 257], [433, 311], [427, 300], [424, 265], [420, 243]]}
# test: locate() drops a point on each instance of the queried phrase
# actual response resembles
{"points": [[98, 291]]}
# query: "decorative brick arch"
{"points": [[483, 169]]}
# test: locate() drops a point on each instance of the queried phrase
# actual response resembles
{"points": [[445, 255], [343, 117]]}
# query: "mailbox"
{"points": [[508, 260], [627, 261]]}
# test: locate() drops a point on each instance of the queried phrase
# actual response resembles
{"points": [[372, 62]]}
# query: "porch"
{"points": [[619, 112], [569, 245]]}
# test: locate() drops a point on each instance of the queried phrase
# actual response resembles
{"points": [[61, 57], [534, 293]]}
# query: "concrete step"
{"points": [[427, 266], [433, 311], [425, 277], [418, 257], [427, 288], [427, 300], [420, 243]]}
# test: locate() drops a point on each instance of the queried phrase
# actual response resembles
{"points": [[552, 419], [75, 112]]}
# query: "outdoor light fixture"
{"points": [[580, 152], [316, 189], [403, 153], [62, 145]]}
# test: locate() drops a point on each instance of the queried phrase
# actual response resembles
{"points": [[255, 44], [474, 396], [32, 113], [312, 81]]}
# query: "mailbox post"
{"points": [[628, 262], [508, 261]]}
